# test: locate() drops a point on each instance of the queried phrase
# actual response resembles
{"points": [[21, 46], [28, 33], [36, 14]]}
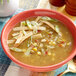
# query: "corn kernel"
{"points": [[35, 49], [39, 53], [69, 43], [52, 43]]}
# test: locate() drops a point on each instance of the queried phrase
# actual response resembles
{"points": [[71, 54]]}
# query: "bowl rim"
{"points": [[31, 66]]}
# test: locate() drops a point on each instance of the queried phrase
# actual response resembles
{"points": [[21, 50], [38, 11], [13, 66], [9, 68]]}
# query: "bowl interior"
{"points": [[37, 12]]}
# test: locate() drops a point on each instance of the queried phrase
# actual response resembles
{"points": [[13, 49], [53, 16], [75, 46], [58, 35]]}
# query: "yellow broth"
{"points": [[57, 54]]}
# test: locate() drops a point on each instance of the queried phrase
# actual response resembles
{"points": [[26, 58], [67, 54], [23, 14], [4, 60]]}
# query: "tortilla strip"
{"points": [[19, 37], [23, 38], [16, 49], [51, 25], [40, 24], [15, 34], [48, 23], [37, 36], [38, 18], [10, 41], [24, 33], [16, 37], [26, 28]]}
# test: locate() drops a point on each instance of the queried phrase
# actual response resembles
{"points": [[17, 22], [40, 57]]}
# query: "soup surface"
{"points": [[40, 41]]}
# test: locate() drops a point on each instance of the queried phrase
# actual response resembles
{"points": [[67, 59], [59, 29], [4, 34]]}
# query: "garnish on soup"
{"points": [[40, 41]]}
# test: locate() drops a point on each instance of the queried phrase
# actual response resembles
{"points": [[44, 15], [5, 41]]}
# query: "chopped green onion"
{"points": [[29, 24], [24, 32], [54, 20], [29, 41], [23, 23], [42, 50], [34, 23], [50, 19], [46, 18], [39, 53], [28, 51], [31, 38], [57, 30], [28, 44]]}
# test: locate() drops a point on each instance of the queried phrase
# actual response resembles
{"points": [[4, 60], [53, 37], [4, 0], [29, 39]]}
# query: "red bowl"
{"points": [[38, 12]]}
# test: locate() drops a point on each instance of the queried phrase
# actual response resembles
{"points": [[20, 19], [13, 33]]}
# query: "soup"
{"points": [[40, 41]]}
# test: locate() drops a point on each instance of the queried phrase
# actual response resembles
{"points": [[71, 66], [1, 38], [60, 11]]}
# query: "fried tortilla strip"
{"points": [[15, 34], [22, 39], [48, 23], [38, 18], [16, 49], [26, 28], [19, 37], [10, 41], [51, 25]]}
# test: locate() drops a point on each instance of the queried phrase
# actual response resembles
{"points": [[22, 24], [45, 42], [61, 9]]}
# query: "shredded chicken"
{"points": [[37, 36], [18, 42], [26, 28]]}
